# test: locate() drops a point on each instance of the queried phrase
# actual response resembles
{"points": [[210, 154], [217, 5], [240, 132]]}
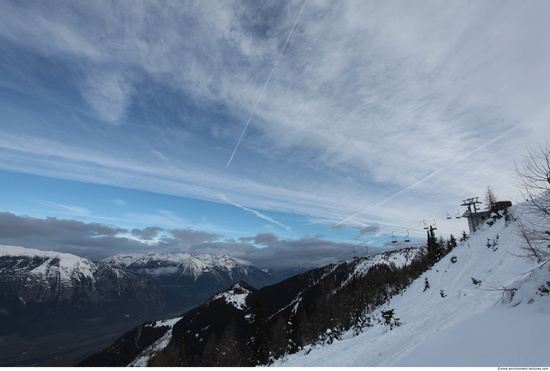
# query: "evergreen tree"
{"points": [[490, 199], [433, 247], [293, 332], [257, 345], [451, 243], [229, 351]]}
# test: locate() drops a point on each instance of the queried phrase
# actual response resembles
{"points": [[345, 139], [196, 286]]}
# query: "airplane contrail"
{"points": [[265, 85], [429, 175], [257, 213]]}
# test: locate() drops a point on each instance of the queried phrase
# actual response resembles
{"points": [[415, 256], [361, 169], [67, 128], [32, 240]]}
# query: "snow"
{"points": [[470, 325], [146, 354], [497, 336], [235, 296], [62, 265], [398, 258], [162, 263]]}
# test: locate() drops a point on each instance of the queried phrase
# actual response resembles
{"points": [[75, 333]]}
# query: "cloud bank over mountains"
{"points": [[96, 241]]}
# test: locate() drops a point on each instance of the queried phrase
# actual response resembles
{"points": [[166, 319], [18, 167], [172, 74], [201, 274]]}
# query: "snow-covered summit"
{"points": [[164, 263], [236, 295], [56, 280], [66, 267]]}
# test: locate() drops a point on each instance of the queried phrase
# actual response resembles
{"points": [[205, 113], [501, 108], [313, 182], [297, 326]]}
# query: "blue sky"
{"points": [[278, 119]]}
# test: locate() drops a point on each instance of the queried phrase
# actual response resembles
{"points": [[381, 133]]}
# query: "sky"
{"points": [[280, 132]]}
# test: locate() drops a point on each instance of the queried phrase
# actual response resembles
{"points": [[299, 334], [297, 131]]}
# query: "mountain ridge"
{"points": [[190, 279], [399, 308], [38, 284], [241, 310]]}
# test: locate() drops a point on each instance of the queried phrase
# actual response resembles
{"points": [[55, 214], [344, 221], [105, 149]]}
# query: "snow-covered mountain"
{"points": [[241, 310], [36, 283], [484, 304], [159, 264], [190, 279]]}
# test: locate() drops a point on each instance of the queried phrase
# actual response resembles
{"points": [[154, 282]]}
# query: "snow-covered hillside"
{"points": [[464, 317]]}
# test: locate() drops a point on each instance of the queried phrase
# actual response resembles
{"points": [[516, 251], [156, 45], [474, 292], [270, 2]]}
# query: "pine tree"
{"points": [[490, 199], [451, 243], [293, 331], [257, 345], [432, 246], [229, 351]]}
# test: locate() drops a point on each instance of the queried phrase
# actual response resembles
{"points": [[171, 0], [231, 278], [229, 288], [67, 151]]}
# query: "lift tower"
{"points": [[474, 218]]}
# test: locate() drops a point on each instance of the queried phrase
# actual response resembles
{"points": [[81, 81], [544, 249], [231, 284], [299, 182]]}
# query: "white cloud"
{"points": [[372, 106], [108, 93]]}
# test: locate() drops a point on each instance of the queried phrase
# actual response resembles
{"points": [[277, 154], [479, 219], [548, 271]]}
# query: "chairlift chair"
{"points": [[448, 215], [435, 225], [457, 214], [407, 239], [393, 239], [425, 225], [355, 256]]}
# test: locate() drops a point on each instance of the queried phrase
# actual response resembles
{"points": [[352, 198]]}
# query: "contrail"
{"points": [[430, 175], [265, 85], [257, 213]]}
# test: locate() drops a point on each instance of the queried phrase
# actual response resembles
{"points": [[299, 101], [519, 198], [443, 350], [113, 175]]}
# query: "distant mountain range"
{"points": [[190, 279], [46, 292], [42, 285], [245, 326], [36, 284]]}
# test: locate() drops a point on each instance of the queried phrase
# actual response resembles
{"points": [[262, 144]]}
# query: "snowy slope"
{"points": [[456, 322], [160, 344]]}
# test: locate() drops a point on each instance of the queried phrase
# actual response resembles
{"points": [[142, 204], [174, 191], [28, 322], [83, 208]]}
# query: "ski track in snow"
{"points": [[470, 326]]}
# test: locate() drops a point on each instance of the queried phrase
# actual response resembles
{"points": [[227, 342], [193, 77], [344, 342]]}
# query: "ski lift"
{"points": [[448, 215], [435, 226], [393, 239], [457, 214], [407, 238], [355, 256], [425, 225]]}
